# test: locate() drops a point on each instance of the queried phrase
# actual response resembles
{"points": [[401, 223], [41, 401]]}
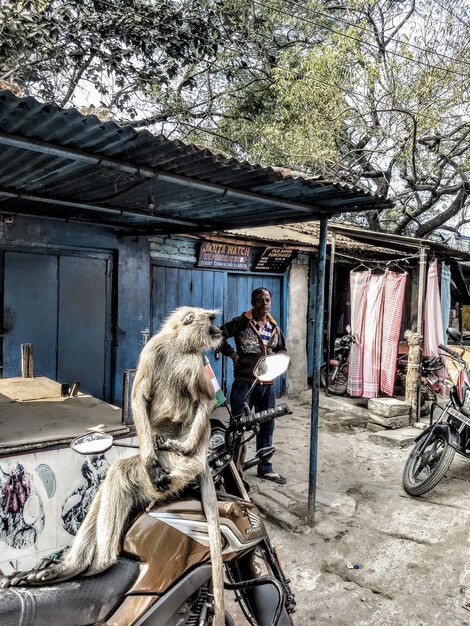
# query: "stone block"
{"points": [[395, 438], [388, 407], [399, 421]]}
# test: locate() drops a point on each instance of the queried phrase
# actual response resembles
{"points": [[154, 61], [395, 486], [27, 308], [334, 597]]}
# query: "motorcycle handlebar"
{"points": [[250, 421], [452, 353]]}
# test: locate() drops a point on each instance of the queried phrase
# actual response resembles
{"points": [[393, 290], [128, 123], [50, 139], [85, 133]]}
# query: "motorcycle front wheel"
{"points": [[339, 385], [429, 460]]}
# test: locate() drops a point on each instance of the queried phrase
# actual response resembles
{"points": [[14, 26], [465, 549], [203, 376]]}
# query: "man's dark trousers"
{"points": [[262, 397]]}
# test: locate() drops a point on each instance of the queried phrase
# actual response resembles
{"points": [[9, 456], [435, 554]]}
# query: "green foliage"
{"points": [[374, 92], [116, 45], [370, 91]]}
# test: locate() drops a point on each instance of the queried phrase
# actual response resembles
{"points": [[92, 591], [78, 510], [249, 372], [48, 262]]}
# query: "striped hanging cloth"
{"points": [[373, 336], [433, 334], [445, 299], [359, 282], [395, 285]]}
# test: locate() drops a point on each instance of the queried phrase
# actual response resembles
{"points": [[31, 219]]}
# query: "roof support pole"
{"points": [[331, 282], [318, 314]]}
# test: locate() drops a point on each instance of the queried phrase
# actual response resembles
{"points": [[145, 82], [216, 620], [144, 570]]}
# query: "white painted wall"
{"points": [[297, 327]]}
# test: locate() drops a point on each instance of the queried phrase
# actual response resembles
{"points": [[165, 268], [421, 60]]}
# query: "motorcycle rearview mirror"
{"points": [[270, 367], [267, 369], [92, 443], [348, 329], [454, 334]]}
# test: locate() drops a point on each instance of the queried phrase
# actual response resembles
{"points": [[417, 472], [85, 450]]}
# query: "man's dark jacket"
{"points": [[250, 346]]}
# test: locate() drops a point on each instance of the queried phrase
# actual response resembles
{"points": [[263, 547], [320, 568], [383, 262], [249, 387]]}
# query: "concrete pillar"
{"points": [[297, 327]]}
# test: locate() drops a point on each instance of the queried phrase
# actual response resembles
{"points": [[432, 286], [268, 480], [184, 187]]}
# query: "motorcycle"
{"points": [[338, 366], [435, 448], [163, 574], [429, 379]]}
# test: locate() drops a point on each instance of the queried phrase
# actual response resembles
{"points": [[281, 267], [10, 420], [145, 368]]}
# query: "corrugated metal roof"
{"points": [[354, 248], [307, 236], [399, 242], [58, 163]]}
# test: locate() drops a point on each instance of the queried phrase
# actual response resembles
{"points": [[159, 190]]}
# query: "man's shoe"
{"points": [[273, 477]]}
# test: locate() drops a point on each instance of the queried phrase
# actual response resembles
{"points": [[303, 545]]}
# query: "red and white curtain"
{"points": [[394, 297], [359, 283], [376, 312], [433, 327]]}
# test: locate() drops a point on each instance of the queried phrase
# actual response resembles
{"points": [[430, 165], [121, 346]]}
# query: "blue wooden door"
{"points": [[61, 304], [175, 286], [84, 335], [238, 300], [30, 312]]}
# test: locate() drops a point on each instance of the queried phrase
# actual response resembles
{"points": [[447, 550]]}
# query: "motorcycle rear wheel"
{"points": [[339, 386], [427, 464]]}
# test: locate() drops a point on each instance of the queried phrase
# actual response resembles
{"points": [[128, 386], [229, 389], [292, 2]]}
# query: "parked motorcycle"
{"points": [[163, 575], [338, 365], [434, 449], [429, 379]]}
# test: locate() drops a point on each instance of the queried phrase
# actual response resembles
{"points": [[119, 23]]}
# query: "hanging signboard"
{"points": [[224, 256], [275, 260]]}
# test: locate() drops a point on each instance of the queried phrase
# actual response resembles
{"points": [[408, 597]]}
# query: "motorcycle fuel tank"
{"points": [[172, 539]]}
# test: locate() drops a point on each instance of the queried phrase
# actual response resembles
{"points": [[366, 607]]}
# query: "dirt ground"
{"points": [[375, 556]]}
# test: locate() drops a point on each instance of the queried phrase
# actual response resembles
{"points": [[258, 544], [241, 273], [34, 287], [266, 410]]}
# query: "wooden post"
{"points": [[413, 372], [416, 402], [27, 360]]}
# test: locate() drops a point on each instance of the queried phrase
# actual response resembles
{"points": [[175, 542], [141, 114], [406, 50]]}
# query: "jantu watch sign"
{"points": [[224, 255]]}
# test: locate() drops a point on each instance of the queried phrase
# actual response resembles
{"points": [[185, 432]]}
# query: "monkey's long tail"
{"points": [[211, 511]]}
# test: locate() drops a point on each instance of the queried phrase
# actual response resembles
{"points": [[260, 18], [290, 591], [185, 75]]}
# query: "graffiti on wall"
{"points": [[22, 510], [77, 504]]}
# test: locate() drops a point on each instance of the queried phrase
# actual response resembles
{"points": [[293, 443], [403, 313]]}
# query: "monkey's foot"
{"points": [[159, 476], [169, 445], [52, 574]]}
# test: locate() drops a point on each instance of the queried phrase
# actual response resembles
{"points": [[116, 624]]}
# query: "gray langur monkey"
{"points": [[172, 399]]}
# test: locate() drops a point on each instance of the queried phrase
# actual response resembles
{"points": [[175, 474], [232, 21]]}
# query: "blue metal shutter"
{"points": [[83, 325], [62, 306], [30, 312]]}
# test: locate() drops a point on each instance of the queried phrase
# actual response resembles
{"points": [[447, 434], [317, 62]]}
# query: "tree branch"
{"points": [[440, 219]]}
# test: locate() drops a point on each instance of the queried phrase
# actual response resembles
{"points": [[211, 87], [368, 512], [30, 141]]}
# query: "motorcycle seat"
{"points": [[428, 362], [81, 601]]}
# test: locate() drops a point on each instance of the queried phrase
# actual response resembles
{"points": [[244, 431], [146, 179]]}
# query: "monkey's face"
{"points": [[198, 330]]}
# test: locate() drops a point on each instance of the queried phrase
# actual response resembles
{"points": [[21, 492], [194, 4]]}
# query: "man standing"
{"points": [[256, 334]]}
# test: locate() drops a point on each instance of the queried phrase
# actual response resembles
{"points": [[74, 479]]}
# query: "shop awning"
{"points": [[57, 163]]}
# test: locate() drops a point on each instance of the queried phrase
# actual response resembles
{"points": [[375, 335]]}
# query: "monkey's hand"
{"points": [[170, 445], [159, 476]]}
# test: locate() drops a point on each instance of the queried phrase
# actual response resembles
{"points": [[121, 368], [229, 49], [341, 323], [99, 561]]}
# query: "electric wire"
{"points": [[356, 39], [377, 261], [369, 32], [457, 17], [313, 78]]}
